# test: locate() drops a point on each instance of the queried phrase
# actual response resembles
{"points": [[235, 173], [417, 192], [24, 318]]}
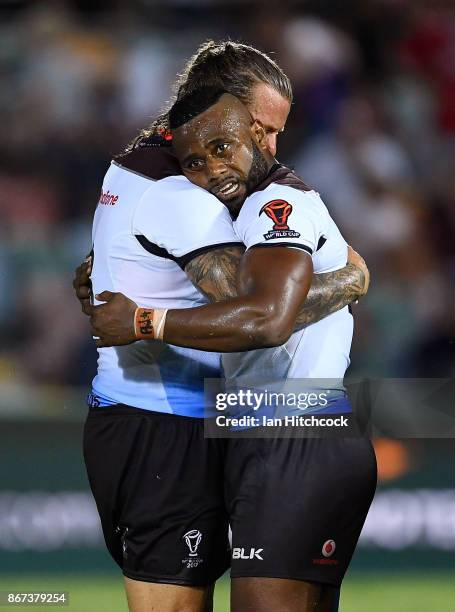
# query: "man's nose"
{"points": [[215, 167], [271, 142]]}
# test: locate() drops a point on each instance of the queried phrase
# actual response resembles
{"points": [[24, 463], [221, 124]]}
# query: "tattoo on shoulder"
{"points": [[215, 272]]}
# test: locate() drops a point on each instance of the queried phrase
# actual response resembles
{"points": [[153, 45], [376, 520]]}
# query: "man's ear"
{"points": [[259, 134]]}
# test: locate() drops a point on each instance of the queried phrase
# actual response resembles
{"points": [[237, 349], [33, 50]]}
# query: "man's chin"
{"points": [[234, 203]]}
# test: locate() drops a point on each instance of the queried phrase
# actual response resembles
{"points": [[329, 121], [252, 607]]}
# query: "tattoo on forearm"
{"points": [[330, 292], [215, 272]]}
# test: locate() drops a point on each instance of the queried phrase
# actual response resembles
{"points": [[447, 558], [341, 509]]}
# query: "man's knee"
{"points": [[272, 594]]}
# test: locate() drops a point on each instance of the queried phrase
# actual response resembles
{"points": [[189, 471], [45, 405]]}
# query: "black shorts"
{"points": [[297, 506], [158, 485]]}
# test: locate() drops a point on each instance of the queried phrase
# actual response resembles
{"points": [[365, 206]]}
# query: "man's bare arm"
{"points": [[330, 292], [215, 274]]}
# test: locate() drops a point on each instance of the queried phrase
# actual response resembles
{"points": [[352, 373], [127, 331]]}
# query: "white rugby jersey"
{"points": [[281, 212], [287, 213], [134, 221]]}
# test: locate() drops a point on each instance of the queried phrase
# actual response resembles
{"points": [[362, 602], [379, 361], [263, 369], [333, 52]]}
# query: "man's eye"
{"points": [[221, 148], [195, 164]]}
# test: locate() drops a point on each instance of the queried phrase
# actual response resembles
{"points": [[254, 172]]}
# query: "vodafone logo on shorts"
{"points": [[328, 548]]}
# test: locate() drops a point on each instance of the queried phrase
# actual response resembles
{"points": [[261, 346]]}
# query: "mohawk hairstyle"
{"points": [[193, 104]]}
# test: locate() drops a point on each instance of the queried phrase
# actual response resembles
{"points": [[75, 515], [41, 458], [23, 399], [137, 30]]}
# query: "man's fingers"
{"points": [[88, 262], [82, 287], [354, 257], [357, 260], [82, 274], [105, 296], [83, 292], [87, 307]]}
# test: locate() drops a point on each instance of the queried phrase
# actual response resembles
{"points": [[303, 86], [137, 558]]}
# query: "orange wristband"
{"points": [[149, 323], [143, 323]]}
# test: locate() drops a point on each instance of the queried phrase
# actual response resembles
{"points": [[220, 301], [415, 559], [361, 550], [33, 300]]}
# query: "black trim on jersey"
{"points": [[153, 248], [282, 175], [296, 245], [184, 260], [322, 240]]}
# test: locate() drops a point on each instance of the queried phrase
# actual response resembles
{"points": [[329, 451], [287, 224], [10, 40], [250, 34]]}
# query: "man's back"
{"points": [[147, 374]]}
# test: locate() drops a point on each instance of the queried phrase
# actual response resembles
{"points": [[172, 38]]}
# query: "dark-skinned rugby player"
{"points": [[305, 551]]}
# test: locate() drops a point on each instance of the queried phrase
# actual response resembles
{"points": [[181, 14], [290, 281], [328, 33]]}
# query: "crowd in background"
{"points": [[372, 128]]}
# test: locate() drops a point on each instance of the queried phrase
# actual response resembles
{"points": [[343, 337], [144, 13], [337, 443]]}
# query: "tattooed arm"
{"points": [[330, 292], [215, 274]]}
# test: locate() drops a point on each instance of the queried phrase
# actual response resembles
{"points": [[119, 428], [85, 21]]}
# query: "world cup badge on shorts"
{"points": [[279, 212], [328, 548], [192, 540]]}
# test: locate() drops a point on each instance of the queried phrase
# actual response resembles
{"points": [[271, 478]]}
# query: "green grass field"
{"points": [[413, 592]]}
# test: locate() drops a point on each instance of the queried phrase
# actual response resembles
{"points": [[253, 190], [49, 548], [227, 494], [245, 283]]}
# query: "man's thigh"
{"points": [[272, 594], [297, 506], [158, 486], [149, 597]]}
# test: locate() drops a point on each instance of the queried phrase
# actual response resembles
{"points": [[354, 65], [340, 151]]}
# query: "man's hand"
{"points": [[82, 285], [357, 260], [113, 322]]}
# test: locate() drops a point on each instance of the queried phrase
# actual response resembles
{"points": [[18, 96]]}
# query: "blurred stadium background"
{"points": [[372, 127]]}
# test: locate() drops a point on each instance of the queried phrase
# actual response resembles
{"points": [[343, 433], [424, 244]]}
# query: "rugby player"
{"points": [[154, 505], [324, 487]]}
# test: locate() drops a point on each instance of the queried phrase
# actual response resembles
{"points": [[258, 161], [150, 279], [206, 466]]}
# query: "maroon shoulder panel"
{"points": [[153, 162], [283, 176]]}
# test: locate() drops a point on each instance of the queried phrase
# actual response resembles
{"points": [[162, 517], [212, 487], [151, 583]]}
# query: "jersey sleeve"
{"points": [[179, 221], [282, 216]]}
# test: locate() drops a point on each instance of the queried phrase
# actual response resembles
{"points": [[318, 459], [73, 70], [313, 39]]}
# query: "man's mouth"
{"points": [[226, 189]]}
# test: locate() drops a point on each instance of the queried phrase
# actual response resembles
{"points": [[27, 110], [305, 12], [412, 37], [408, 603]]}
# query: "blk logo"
{"points": [[242, 553]]}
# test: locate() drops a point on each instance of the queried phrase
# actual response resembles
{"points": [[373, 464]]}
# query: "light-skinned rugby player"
{"points": [[215, 279], [325, 485]]}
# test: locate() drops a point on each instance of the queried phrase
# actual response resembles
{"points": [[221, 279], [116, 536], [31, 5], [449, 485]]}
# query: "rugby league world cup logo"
{"points": [[192, 540], [279, 211]]}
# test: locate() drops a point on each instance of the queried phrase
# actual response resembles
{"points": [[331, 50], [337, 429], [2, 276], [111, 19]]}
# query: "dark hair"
{"points": [[192, 104], [227, 65]]}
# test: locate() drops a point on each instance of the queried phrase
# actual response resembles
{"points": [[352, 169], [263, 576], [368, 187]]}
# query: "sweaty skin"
{"points": [[329, 293], [217, 149], [215, 274]]}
